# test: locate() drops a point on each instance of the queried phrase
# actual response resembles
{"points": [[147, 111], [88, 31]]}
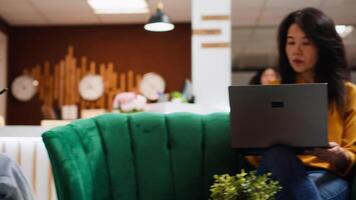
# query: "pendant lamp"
{"points": [[159, 22]]}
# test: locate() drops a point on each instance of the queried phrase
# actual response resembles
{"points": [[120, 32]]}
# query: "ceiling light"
{"points": [[118, 6], [159, 22], [343, 30]]}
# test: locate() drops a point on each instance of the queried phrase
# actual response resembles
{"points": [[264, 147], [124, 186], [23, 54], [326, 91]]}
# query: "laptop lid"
{"points": [[288, 114]]}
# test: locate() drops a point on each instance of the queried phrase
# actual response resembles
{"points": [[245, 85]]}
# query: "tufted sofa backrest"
{"points": [[146, 156]]}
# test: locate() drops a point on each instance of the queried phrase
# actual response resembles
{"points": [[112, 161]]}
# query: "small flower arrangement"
{"points": [[244, 186], [128, 102]]}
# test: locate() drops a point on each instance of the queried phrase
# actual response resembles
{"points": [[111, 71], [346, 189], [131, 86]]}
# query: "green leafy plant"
{"points": [[244, 186], [177, 96]]}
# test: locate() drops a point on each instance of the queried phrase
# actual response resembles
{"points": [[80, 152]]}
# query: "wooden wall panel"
{"points": [[128, 50]]}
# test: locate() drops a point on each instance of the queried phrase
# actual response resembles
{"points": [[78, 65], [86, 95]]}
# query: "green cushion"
{"points": [[116, 139]]}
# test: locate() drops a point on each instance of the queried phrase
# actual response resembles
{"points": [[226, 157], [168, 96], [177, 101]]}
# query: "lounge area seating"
{"points": [[142, 156]]}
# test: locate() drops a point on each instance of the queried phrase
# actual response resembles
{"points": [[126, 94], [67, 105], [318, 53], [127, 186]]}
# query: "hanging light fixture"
{"points": [[344, 30], [159, 22]]}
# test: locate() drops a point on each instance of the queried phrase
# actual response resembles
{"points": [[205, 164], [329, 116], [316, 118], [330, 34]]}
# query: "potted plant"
{"points": [[244, 186]]}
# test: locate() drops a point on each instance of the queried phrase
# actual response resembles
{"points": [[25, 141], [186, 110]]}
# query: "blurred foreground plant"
{"points": [[244, 186]]}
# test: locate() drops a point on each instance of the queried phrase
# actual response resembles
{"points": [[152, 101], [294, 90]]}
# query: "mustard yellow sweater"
{"points": [[341, 129]]}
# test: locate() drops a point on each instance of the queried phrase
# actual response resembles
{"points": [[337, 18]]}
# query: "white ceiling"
{"points": [[244, 12], [78, 12], [254, 21]]}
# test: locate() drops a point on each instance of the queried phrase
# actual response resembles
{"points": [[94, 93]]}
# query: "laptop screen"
{"points": [[289, 114]]}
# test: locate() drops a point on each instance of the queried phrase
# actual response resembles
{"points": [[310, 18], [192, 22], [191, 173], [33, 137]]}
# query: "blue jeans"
{"points": [[298, 183]]}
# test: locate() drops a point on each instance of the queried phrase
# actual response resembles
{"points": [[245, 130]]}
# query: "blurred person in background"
{"points": [[265, 76]]}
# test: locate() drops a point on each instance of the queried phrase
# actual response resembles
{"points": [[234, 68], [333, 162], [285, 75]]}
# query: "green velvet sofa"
{"points": [[146, 156]]}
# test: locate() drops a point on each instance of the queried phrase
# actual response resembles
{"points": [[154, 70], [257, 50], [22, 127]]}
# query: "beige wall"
{"points": [[211, 67], [241, 78]]}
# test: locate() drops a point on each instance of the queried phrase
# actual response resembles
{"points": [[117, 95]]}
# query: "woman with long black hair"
{"points": [[311, 51]]}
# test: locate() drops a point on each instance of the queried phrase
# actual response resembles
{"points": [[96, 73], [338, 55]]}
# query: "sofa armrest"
{"points": [[67, 164]]}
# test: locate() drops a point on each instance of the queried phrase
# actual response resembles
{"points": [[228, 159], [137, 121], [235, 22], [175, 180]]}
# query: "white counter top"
{"points": [[22, 131]]}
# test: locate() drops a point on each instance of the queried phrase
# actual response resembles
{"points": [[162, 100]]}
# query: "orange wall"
{"points": [[127, 46]]}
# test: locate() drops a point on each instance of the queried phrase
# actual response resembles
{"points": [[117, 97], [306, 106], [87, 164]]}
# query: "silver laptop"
{"points": [[294, 115]]}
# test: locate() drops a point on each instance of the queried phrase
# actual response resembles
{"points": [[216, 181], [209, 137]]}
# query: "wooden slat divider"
{"points": [[50, 91], [92, 68], [122, 82], [83, 66], [70, 83], [130, 80], [76, 85], [83, 72], [103, 74], [110, 100], [138, 81], [56, 82], [111, 78], [59, 85], [67, 79], [73, 76]]}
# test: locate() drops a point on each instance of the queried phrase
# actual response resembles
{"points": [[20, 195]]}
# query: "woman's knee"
{"points": [[282, 160], [278, 152]]}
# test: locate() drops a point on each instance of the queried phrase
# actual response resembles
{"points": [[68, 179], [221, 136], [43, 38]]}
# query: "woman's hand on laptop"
{"points": [[335, 155]]}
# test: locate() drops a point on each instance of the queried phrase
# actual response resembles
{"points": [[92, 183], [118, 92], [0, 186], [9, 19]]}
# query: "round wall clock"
{"points": [[91, 87], [24, 87], [152, 86]]}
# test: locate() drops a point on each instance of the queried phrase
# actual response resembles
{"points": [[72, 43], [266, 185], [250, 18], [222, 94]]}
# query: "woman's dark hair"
{"points": [[331, 66], [256, 79]]}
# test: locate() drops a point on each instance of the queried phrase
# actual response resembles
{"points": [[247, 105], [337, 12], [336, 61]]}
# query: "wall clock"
{"points": [[24, 87], [152, 86], [91, 87]]}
